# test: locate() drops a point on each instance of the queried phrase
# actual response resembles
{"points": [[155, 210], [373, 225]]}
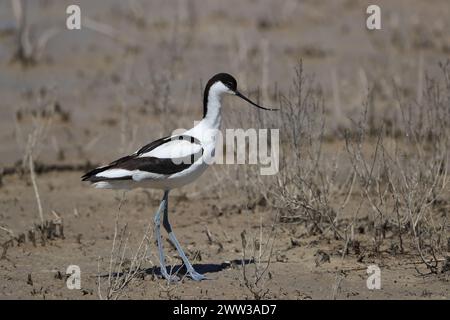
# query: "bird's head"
{"points": [[225, 83]]}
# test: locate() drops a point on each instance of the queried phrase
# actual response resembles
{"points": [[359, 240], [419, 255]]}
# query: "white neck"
{"points": [[211, 121], [213, 116]]}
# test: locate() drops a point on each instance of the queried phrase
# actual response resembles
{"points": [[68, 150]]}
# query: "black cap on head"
{"points": [[226, 78]]}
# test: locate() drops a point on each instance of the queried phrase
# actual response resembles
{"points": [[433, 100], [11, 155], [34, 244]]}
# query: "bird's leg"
{"points": [[190, 269], [157, 221]]}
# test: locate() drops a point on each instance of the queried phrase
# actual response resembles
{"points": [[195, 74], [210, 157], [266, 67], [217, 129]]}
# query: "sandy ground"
{"points": [[88, 236], [114, 94]]}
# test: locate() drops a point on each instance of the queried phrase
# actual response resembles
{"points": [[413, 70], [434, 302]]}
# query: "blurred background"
{"points": [[134, 62]]}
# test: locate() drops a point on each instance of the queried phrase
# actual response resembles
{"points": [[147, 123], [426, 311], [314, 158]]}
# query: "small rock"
{"points": [[321, 257]]}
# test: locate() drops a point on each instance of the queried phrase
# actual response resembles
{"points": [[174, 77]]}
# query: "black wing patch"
{"points": [[152, 145], [149, 164]]}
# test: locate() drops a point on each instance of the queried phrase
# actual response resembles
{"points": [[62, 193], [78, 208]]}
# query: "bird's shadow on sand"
{"points": [[180, 270], [204, 269]]}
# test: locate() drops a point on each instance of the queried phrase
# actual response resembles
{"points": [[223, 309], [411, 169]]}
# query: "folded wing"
{"points": [[162, 157]]}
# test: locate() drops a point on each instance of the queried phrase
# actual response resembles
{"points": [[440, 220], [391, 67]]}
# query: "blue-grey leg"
{"points": [[190, 269], [157, 221]]}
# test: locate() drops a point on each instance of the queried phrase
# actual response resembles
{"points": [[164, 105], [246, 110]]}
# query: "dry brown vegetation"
{"points": [[376, 188]]}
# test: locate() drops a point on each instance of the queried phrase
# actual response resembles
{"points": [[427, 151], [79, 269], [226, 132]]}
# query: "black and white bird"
{"points": [[172, 162]]}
